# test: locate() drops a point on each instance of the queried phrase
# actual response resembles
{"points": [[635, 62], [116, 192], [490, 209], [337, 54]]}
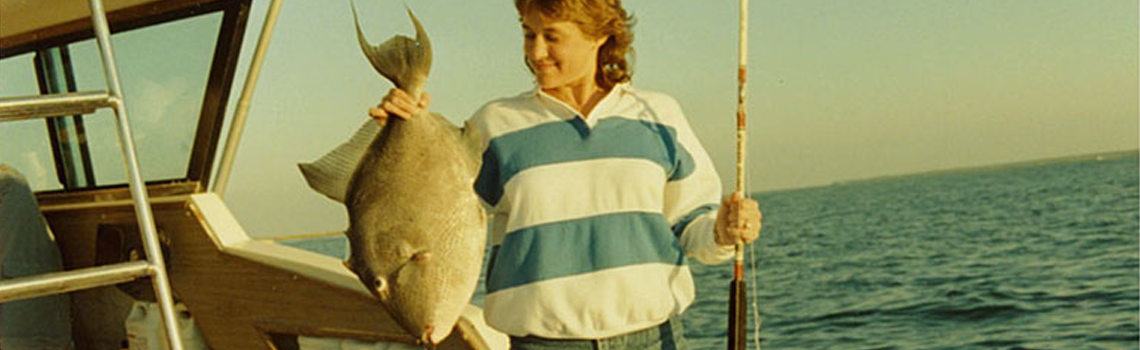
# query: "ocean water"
{"points": [[1032, 257]]}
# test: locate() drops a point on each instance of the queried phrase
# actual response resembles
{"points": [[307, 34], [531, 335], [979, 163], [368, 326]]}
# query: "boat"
{"points": [[241, 292]]}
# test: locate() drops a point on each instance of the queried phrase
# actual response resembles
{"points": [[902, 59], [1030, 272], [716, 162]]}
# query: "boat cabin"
{"points": [[177, 61]]}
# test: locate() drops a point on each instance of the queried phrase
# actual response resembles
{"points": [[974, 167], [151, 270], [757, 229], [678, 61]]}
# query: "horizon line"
{"points": [[1106, 155]]}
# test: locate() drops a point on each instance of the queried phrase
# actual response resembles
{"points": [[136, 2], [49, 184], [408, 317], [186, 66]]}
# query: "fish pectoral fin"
{"points": [[331, 174], [421, 257], [411, 266]]}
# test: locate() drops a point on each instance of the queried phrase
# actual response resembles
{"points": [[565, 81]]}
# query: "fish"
{"points": [[417, 229]]}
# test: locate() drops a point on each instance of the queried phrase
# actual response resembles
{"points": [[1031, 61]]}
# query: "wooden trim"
{"points": [[301, 236], [111, 196], [111, 203], [271, 326]]}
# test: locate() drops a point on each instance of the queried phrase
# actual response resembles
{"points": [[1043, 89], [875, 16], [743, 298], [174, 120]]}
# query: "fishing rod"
{"points": [[737, 300]]}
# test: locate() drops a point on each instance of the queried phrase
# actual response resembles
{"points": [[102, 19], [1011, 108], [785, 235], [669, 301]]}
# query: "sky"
{"points": [[838, 90]]}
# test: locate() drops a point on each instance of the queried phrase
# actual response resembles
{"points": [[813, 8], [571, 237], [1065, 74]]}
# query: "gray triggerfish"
{"points": [[417, 229]]}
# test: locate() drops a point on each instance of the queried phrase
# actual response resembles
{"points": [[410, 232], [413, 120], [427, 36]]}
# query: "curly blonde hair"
{"points": [[595, 18]]}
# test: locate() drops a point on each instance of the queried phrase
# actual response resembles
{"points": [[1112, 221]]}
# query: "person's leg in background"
{"points": [[27, 249]]}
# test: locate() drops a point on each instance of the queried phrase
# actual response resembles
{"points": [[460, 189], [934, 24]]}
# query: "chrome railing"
{"points": [[43, 106]]}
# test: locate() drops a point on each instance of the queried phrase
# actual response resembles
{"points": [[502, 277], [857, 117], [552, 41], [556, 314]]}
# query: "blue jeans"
{"points": [[27, 249], [667, 336]]}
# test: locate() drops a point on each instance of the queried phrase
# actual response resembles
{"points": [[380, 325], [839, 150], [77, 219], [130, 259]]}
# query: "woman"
{"points": [[597, 191]]}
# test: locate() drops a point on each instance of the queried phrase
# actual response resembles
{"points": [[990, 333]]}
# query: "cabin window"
{"points": [[163, 70], [24, 144]]}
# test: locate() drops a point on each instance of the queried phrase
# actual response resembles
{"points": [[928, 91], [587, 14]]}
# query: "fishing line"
{"points": [[753, 293]]}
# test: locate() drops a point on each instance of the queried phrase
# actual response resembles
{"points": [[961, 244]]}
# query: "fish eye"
{"points": [[379, 284]]}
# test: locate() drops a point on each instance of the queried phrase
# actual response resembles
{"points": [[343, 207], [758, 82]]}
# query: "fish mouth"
{"points": [[421, 332], [426, 336], [422, 336]]}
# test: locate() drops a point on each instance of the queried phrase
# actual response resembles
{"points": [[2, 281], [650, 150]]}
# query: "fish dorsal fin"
{"points": [[403, 60], [331, 174]]}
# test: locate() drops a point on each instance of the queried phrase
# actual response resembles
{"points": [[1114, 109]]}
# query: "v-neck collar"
{"points": [[569, 112]]}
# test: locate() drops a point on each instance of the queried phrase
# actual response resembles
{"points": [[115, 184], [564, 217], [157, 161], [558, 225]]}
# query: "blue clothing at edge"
{"points": [[27, 249]]}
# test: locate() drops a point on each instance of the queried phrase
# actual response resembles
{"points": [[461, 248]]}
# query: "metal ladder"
{"points": [[45, 106]]}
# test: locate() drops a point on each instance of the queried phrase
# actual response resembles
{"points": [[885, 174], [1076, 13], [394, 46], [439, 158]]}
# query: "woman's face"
{"points": [[558, 53]]}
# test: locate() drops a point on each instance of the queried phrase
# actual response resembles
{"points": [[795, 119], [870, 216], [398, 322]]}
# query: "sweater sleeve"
{"points": [[692, 194]]}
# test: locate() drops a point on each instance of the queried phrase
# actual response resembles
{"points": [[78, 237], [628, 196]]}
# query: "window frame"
{"points": [[222, 70]]}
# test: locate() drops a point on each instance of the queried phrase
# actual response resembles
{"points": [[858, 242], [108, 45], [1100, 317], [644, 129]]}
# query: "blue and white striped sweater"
{"points": [[592, 218]]}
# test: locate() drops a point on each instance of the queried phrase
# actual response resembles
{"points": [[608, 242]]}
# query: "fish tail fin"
{"points": [[403, 60], [330, 175]]}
